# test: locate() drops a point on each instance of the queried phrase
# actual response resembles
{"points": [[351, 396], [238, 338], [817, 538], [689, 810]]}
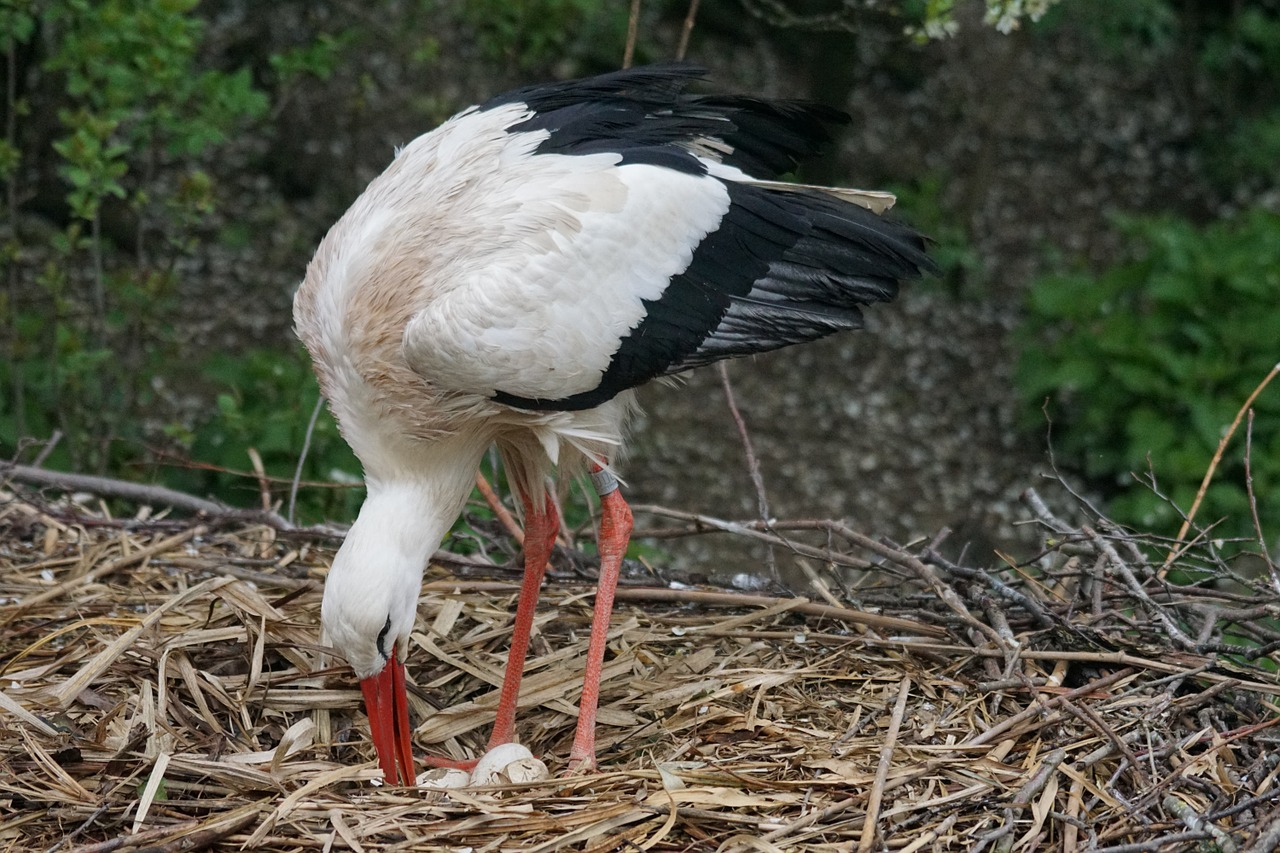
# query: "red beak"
{"points": [[387, 704]]}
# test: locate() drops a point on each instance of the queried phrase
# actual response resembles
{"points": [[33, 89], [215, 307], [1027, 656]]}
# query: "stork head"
{"points": [[369, 607], [370, 601]]}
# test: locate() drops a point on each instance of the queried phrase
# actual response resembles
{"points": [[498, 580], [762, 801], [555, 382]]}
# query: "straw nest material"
{"points": [[163, 689]]}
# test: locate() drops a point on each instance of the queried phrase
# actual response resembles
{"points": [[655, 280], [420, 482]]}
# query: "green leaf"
{"points": [[1154, 356]]}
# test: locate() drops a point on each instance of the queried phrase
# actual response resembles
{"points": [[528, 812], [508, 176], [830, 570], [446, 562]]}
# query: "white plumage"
{"points": [[510, 278], [543, 318]]}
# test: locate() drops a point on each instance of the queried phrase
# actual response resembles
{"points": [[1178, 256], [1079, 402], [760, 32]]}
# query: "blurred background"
{"points": [[1100, 178]]}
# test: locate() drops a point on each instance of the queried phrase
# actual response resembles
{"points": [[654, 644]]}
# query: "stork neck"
{"points": [[402, 520], [417, 505]]}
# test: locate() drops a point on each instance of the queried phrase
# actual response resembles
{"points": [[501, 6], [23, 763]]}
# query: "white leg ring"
{"points": [[604, 481]]}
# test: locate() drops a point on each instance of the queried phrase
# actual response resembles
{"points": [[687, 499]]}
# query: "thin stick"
{"points": [[810, 819], [1070, 828], [709, 598], [107, 486], [47, 449], [260, 471], [749, 530], [137, 839], [207, 837], [1039, 708], [867, 840], [1268, 838], [809, 608], [687, 30], [504, 516], [1213, 467], [186, 836], [1253, 503], [753, 464], [149, 791], [633, 30], [143, 493], [925, 573], [302, 457], [79, 830]]}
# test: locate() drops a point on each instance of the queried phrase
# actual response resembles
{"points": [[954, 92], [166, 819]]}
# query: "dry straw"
{"points": [[161, 688]]}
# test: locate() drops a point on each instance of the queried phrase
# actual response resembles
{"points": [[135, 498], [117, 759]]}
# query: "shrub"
{"points": [[1148, 363], [265, 400], [136, 120]]}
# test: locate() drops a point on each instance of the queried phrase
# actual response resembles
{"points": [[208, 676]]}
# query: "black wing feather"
{"points": [[639, 109]]}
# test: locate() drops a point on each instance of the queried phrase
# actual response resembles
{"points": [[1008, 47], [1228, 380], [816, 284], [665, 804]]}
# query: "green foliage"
{"points": [[1246, 45], [1149, 362], [536, 33], [958, 260], [1229, 49], [1152, 359], [1242, 57], [92, 164], [1120, 29], [130, 67], [1252, 149], [318, 59], [264, 402], [136, 113]]}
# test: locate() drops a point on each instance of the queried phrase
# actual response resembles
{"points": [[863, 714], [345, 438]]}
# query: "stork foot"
{"points": [[505, 764], [437, 761]]}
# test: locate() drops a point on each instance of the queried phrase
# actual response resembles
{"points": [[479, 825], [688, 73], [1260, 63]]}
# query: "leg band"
{"points": [[604, 481]]}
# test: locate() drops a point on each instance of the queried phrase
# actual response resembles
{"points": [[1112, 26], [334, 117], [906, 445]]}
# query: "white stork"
{"points": [[511, 278]]}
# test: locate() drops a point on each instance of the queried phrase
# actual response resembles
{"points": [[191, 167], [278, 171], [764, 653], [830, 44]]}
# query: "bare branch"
{"points": [[302, 458], [753, 464], [1213, 465], [687, 30], [633, 31]]}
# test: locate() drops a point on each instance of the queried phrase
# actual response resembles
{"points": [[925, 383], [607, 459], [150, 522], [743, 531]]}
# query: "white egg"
{"points": [[508, 762], [444, 779]]}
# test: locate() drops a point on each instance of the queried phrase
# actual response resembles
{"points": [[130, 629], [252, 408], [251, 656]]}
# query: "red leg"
{"points": [[615, 533], [541, 526], [540, 529]]}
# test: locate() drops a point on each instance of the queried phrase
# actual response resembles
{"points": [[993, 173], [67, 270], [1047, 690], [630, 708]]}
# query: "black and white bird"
{"points": [[512, 277]]}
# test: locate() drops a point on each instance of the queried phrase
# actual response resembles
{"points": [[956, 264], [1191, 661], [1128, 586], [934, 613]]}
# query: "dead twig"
{"points": [[302, 458], [1035, 710], [633, 31], [139, 839], [1253, 506], [867, 840], [109, 487], [709, 598], [999, 587], [895, 555], [753, 464], [686, 30], [500, 511], [1213, 466]]}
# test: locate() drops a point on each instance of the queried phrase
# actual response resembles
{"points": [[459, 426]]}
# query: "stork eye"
{"points": [[382, 639]]}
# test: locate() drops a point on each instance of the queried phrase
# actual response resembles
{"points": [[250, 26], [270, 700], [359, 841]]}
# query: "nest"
{"points": [[163, 689]]}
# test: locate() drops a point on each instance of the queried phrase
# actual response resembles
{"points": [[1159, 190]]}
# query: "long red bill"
{"points": [[387, 704]]}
